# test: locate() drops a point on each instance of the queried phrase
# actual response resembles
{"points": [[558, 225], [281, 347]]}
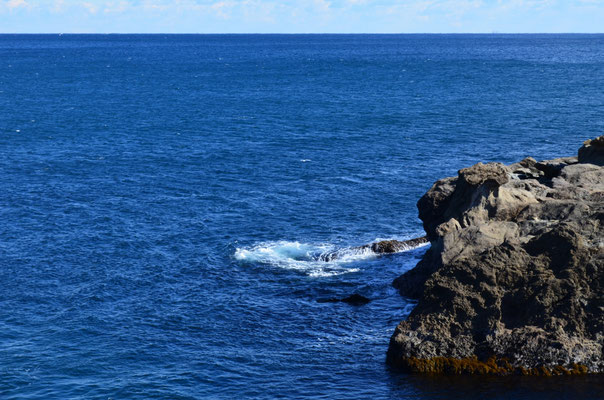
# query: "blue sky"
{"points": [[293, 16]]}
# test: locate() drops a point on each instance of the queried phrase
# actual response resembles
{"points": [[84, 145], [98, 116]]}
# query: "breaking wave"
{"points": [[316, 260]]}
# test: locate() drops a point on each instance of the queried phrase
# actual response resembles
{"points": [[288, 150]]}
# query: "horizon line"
{"points": [[302, 33]]}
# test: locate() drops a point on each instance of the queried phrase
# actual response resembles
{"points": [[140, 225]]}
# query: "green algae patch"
{"points": [[474, 366]]}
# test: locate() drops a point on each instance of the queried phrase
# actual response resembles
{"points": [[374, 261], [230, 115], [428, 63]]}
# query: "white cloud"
{"points": [[12, 4], [223, 9], [322, 5], [116, 7], [91, 7]]}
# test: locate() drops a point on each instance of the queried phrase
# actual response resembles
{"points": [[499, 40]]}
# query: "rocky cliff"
{"points": [[514, 279]]}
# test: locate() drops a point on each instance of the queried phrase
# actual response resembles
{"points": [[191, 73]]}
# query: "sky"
{"points": [[301, 16]]}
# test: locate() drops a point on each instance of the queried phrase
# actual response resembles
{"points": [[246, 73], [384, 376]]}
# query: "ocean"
{"points": [[165, 199]]}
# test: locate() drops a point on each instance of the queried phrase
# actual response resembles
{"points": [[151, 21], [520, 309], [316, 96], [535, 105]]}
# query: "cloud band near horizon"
{"points": [[296, 16]]}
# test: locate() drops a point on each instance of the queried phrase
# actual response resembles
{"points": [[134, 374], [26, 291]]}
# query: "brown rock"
{"points": [[514, 279], [490, 173]]}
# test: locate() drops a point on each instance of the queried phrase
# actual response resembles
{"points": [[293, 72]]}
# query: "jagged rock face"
{"points": [[515, 273]]}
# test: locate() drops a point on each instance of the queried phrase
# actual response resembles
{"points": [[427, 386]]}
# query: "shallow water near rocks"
{"points": [[165, 201]]}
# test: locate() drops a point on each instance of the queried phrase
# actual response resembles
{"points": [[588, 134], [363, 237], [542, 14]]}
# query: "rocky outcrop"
{"points": [[395, 246], [592, 151], [379, 248], [514, 279]]}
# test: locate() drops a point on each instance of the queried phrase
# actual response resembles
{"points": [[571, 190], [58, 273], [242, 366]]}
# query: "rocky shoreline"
{"points": [[513, 282]]}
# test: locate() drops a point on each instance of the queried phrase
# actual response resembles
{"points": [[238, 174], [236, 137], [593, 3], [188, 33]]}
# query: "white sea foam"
{"points": [[316, 260], [302, 256], [325, 273]]}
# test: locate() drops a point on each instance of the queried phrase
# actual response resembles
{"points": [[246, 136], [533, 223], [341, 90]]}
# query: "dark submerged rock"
{"points": [[514, 279], [354, 300]]}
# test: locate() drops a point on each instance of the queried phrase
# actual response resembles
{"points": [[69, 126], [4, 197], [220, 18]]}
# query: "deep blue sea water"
{"points": [[163, 200]]}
